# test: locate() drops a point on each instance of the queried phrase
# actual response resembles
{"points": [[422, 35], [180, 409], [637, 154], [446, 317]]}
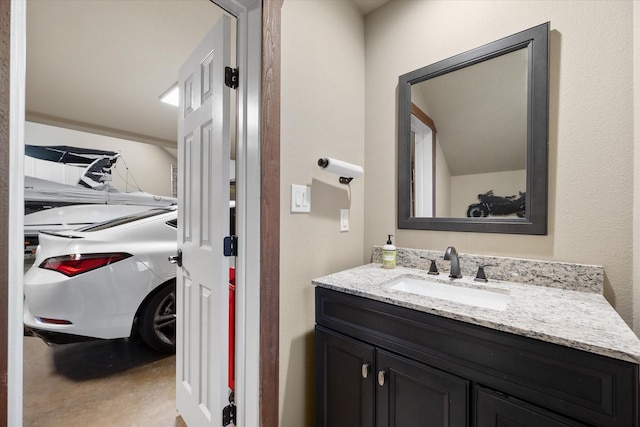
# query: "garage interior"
{"points": [[95, 72]]}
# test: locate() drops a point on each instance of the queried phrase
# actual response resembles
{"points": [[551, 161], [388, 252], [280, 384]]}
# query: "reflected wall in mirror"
{"points": [[476, 149], [472, 140]]}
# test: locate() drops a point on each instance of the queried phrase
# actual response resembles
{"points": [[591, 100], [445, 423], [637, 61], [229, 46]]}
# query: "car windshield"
{"points": [[124, 220]]}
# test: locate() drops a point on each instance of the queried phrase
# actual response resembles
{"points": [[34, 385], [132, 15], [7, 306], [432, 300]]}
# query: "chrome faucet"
{"points": [[452, 255]]}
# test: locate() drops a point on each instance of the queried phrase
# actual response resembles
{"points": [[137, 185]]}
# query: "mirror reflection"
{"points": [[472, 139], [469, 161]]}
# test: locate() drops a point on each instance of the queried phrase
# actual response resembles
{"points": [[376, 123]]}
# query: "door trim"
{"points": [[12, 111], [5, 147], [248, 213], [259, 401]]}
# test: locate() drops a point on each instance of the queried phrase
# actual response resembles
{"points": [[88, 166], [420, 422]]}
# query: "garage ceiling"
{"points": [[100, 66]]}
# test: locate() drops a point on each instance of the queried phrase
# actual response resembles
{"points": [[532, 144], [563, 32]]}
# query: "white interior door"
{"points": [[203, 222], [423, 168]]}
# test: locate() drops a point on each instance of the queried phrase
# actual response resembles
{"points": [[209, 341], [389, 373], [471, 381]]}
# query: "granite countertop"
{"points": [[580, 320]]}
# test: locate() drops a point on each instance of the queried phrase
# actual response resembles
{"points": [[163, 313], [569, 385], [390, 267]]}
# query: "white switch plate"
{"points": [[300, 198], [344, 219]]}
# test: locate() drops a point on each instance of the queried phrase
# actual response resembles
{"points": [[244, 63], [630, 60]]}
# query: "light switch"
{"points": [[344, 219], [300, 198]]}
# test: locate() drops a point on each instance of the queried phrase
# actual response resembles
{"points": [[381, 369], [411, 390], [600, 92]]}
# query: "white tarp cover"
{"points": [[51, 171], [41, 190]]}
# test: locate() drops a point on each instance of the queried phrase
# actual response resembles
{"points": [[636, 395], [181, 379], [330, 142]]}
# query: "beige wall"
{"points": [[322, 111], [591, 135], [149, 165], [443, 183]]}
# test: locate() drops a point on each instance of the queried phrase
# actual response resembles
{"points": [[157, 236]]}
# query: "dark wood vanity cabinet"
{"points": [[382, 365], [366, 386]]}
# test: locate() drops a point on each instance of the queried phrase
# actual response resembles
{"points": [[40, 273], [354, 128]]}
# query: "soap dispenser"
{"points": [[389, 254]]}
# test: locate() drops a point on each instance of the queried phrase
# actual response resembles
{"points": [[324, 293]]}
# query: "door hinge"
{"points": [[229, 414], [231, 246], [231, 77]]}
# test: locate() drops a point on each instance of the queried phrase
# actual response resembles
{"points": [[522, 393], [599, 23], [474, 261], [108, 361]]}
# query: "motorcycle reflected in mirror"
{"points": [[490, 204]]}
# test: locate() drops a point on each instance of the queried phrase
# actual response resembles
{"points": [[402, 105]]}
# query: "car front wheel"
{"points": [[157, 322]]}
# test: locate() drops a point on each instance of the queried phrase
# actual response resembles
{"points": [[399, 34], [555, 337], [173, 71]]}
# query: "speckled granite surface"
{"points": [[552, 274], [576, 319]]}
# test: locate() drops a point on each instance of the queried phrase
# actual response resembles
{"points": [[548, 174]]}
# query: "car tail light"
{"points": [[72, 265]]}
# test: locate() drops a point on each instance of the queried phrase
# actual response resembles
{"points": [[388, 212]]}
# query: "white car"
{"points": [[72, 217], [108, 280]]}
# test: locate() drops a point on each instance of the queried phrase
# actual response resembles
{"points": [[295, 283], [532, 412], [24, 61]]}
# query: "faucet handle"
{"points": [[480, 275], [433, 268]]}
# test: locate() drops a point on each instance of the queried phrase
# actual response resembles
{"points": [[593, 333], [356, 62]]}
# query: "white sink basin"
{"points": [[460, 294]]}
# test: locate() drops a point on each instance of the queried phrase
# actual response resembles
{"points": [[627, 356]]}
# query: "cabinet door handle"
{"points": [[365, 370], [381, 375]]}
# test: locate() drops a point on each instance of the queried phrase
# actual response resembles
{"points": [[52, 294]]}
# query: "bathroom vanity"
{"points": [[386, 356]]}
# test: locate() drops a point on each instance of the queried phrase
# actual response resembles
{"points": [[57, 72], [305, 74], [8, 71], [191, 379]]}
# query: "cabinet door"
{"points": [[344, 381], [410, 394], [498, 410]]}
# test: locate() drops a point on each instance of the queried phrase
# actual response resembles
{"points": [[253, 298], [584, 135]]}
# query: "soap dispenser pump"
{"points": [[389, 254]]}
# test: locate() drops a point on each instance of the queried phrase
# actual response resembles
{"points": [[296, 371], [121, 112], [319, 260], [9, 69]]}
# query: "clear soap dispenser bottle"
{"points": [[389, 254]]}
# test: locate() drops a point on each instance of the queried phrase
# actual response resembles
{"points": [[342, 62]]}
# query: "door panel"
{"points": [[344, 397], [495, 409], [416, 395], [203, 222]]}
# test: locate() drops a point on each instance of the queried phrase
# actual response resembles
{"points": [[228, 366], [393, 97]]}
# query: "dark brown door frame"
{"points": [[270, 209], [270, 214]]}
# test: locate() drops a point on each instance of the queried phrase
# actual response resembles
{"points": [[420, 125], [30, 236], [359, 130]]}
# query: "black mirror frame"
{"points": [[536, 40]]}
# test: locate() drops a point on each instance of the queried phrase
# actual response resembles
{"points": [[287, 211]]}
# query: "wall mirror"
{"points": [[472, 139]]}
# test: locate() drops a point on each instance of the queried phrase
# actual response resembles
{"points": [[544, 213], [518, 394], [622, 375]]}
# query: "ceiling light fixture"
{"points": [[171, 95]]}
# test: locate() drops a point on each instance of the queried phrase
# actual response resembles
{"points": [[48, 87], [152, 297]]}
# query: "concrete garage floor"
{"points": [[98, 383]]}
